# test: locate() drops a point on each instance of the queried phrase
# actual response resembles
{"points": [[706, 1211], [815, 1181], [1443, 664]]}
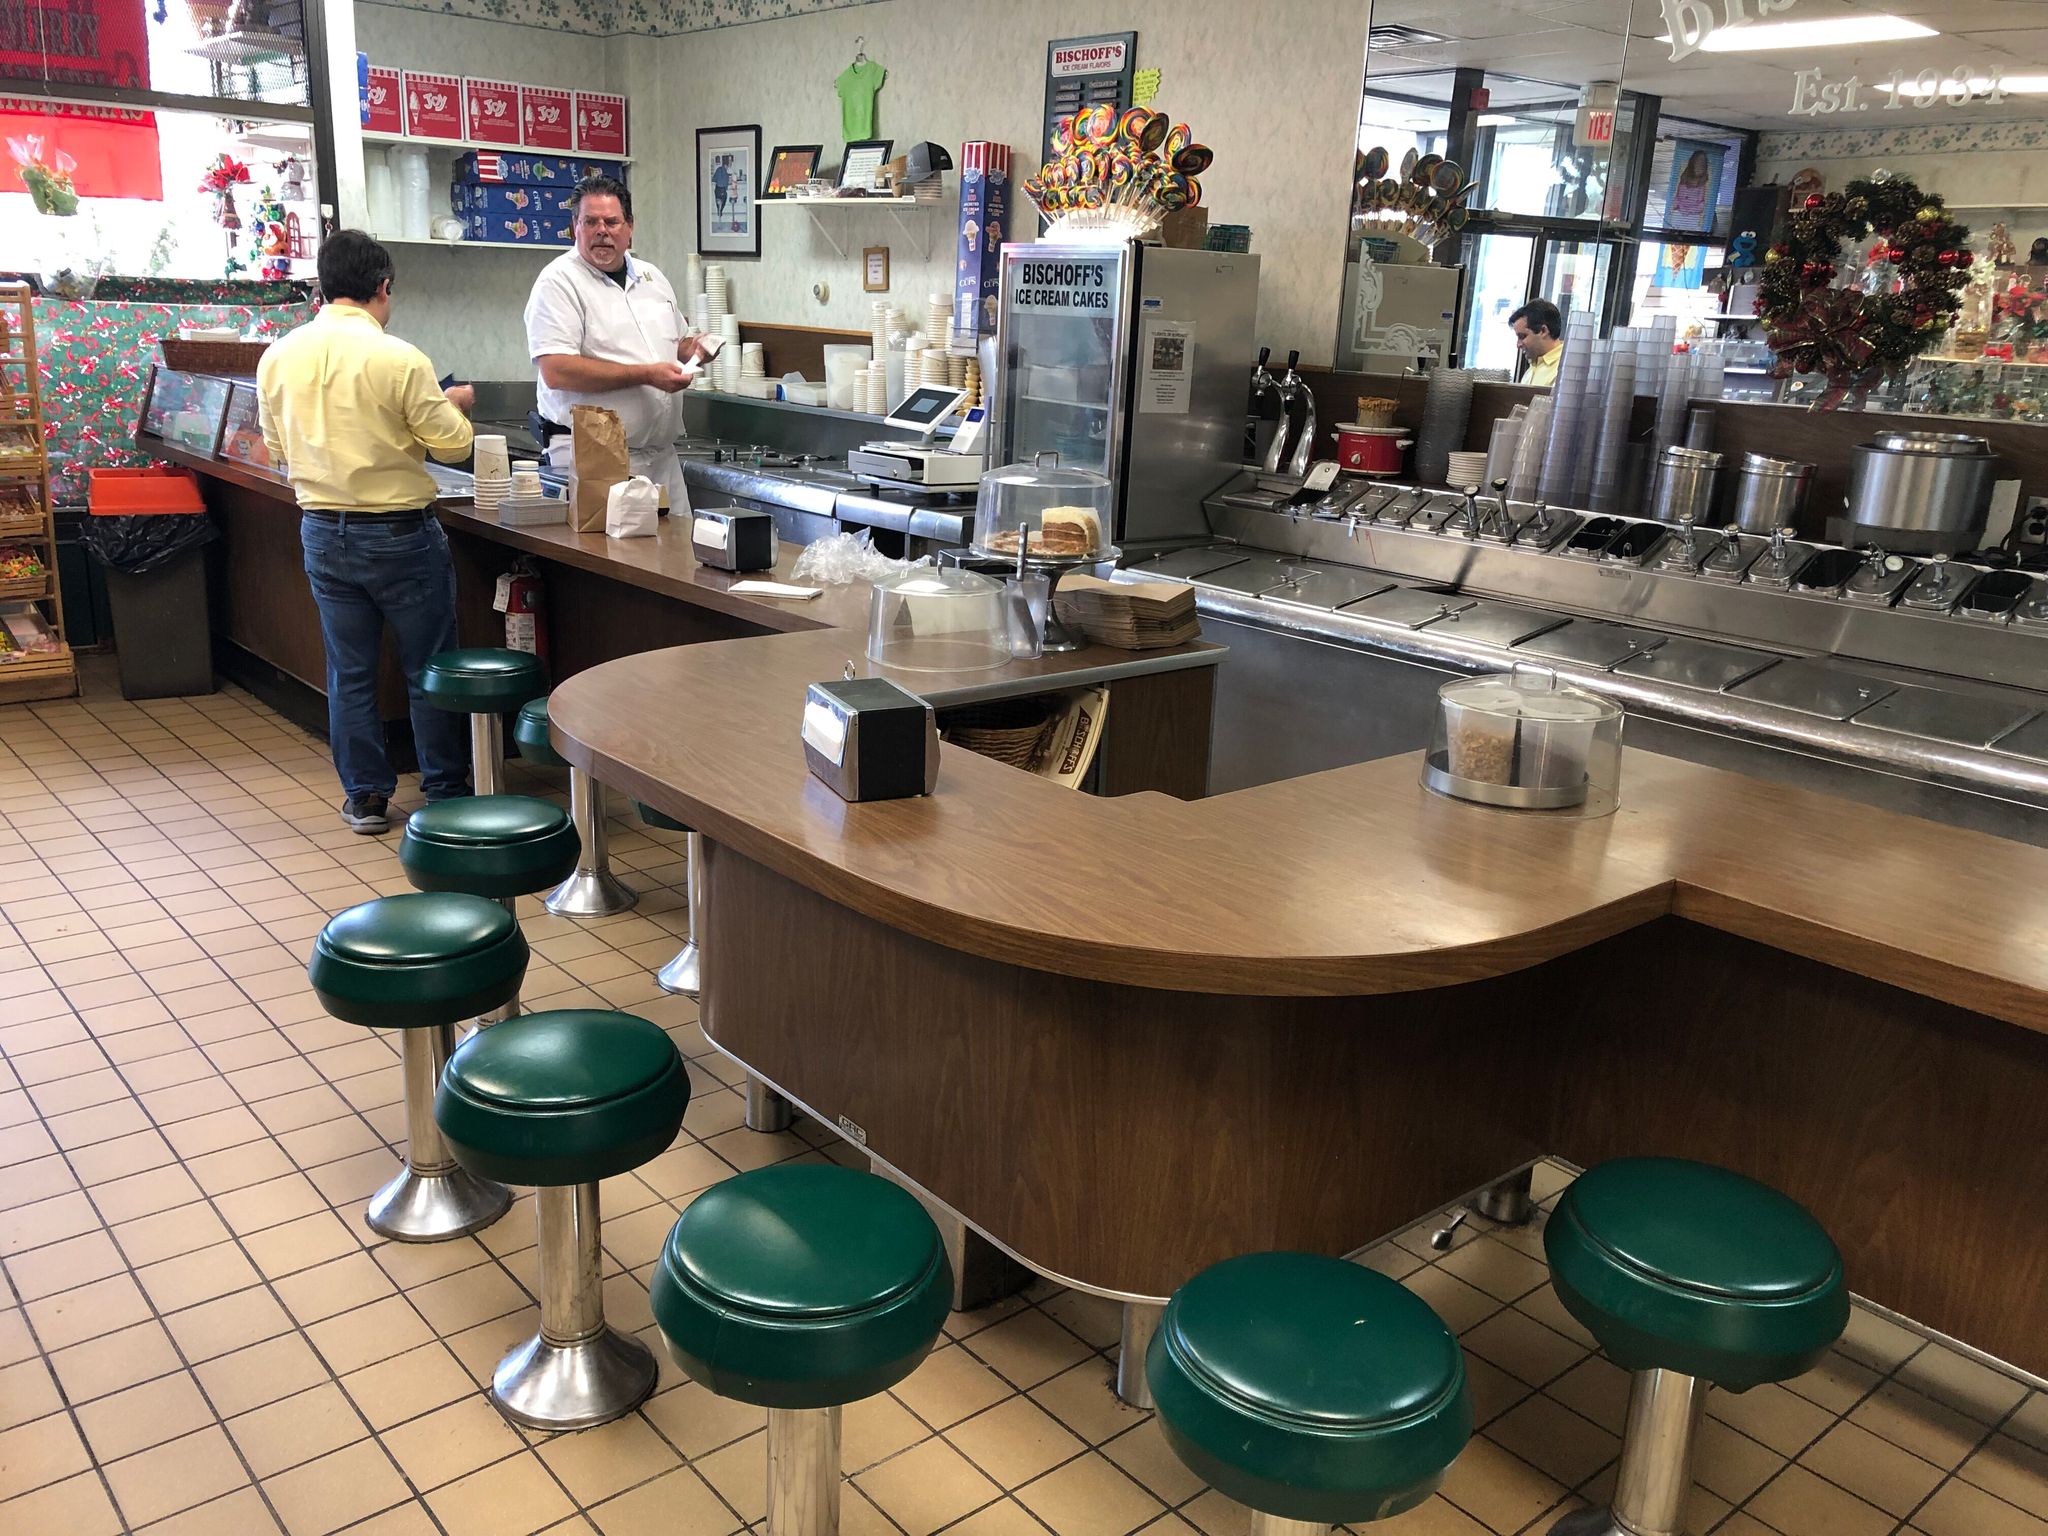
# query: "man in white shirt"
{"points": [[603, 328]]}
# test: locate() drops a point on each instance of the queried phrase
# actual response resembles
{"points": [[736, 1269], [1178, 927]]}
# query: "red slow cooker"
{"points": [[1372, 450]]}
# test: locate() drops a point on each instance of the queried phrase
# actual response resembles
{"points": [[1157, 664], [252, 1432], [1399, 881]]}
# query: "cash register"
{"points": [[921, 463]]}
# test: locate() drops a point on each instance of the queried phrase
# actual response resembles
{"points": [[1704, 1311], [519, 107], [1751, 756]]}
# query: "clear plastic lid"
{"points": [[1065, 513], [1525, 741], [938, 619]]}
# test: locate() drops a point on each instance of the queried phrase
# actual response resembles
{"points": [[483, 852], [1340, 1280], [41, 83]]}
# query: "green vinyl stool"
{"points": [[419, 964], [767, 1110], [1312, 1391], [560, 1100], [485, 683], [500, 846], [591, 890], [1690, 1277], [802, 1288]]}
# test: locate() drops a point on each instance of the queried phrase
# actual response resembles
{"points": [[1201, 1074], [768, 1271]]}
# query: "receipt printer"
{"points": [[871, 740], [733, 539]]}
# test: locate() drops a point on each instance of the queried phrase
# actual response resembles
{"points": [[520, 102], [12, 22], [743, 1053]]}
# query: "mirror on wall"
{"points": [[1642, 160]]}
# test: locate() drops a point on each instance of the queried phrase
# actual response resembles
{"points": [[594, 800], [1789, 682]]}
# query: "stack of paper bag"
{"points": [[1132, 616]]}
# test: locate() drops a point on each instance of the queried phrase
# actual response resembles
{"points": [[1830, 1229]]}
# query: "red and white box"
{"points": [[433, 105], [547, 118], [490, 108], [383, 102], [600, 123]]}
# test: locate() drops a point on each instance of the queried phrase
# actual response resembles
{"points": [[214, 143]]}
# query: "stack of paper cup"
{"points": [[693, 273], [875, 389], [753, 362], [956, 369], [938, 315], [492, 470]]}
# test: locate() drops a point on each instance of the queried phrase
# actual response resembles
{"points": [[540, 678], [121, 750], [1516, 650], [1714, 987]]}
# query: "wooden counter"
{"points": [[1125, 1038]]}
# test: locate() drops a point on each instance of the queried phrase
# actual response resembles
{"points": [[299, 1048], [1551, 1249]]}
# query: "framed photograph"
{"points": [[728, 181], [864, 157], [875, 269], [790, 167]]}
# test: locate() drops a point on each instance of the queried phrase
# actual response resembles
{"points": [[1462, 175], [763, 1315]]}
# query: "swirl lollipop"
{"points": [[1178, 138], [1194, 160]]}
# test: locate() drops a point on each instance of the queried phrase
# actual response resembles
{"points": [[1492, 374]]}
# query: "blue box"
{"points": [[984, 226], [515, 167], [513, 201], [520, 228]]}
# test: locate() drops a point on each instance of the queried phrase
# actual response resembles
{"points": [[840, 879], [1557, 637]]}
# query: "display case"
{"points": [[1130, 361], [241, 439], [188, 409]]}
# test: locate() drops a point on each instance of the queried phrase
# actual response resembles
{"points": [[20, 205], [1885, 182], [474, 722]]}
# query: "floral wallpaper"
{"points": [[606, 18], [95, 360], [1931, 138]]}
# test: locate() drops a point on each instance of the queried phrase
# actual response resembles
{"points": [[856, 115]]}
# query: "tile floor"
{"points": [[198, 1335]]}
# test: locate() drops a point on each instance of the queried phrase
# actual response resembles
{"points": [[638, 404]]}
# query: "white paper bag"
{"points": [[632, 509]]}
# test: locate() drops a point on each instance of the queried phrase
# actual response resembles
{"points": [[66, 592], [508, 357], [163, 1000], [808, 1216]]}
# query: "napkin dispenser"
{"points": [[733, 539], [870, 739]]}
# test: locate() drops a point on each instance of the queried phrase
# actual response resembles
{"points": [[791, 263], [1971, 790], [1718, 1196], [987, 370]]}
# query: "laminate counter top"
{"points": [[1349, 882]]}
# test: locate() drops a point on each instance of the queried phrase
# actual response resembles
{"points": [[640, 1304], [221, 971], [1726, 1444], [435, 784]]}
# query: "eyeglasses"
{"points": [[609, 226]]}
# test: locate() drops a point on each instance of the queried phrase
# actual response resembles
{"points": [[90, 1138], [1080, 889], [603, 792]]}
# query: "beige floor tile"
{"points": [[1500, 1490], [412, 1264], [1837, 1384], [299, 1245], [271, 1203], [37, 1179], [1963, 1509], [1461, 1305], [241, 1513], [1798, 1501], [1874, 1470], [175, 1476], [1088, 1496], [117, 1360], [77, 1506], [1958, 1382], [1877, 1342], [952, 1384], [27, 1392], [2015, 1471], [255, 1162], [679, 1502], [296, 1429], [408, 1385], [1906, 1418], [47, 1221], [698, 1422], [451, 1442], [199, 1276], [2030, 1423], [140, 1417], [63, 1266], [158, 1189], [1555, 1440], [1523, 1347], [409, 1519], [351, 1340], [1144, 1454], [595, 1464], [514, 1499], [341, 1285], [88, 1312], [152, 1239], [227, 1323], [1772, 1415], [261, 1374], [1083, 1399], [1729, 1463], [462, 1301], [1595, 1388], [1027, 1348], [1543, 1305], [1016, 1441], [336, 1490], [1495, 1268], [482, 1347]]}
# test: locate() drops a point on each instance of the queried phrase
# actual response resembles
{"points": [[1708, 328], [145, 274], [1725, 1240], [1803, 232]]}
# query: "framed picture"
{"points": [[790, 167], [864, 157], [728, 181], [875, 269]]}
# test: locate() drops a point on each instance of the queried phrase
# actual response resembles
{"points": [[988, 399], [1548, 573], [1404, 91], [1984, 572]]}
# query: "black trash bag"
{"points": [[141, 542]]}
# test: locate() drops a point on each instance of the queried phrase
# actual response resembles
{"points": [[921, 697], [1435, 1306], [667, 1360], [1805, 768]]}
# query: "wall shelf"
{"points": [[477, 245], [371, 136], [921, 236]]}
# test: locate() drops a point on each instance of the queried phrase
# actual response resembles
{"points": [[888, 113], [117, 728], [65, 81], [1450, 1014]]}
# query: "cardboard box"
{"points": [[520, 228], [433, 105], [600, 123], [547, 118], [1186, 229], [510, 202], [383, 101], [984, 226], [492, 167], [490, 110]]}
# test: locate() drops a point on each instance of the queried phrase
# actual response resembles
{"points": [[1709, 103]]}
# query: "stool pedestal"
{"points": [[803, 1471], [680, 974], [1278, 1525], [433, 1196], [1141, 1321], [486, 753], [1655, 1476], [593, 891], [1509, 1201], [577, 1371], [767, 1110]]}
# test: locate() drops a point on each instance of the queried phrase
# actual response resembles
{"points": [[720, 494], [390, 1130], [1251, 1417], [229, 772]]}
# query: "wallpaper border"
{"points": [[623, 18]]}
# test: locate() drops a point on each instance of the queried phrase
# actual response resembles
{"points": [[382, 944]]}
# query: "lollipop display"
{"points": [[1426, 202], [1116, 175]]}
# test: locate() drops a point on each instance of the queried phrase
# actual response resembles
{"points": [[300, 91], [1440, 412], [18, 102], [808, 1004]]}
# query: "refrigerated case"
{"points": [[1133, 361]]}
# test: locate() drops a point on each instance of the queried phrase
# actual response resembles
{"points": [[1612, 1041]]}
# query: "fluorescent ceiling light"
{"points": [[1497, 120], [1766, 36]]}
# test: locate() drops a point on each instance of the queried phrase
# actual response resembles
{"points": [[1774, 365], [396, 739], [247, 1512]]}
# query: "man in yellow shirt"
{"points": [[351, 413], [1539, 337]]}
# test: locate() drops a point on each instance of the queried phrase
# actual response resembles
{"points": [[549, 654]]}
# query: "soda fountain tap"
{"points": [[1265, 387], [1286, 390], [1305, 438]]}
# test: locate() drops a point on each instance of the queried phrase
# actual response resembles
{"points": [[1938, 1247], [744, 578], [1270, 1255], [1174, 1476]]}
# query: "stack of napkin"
{"points": [[1132, 616]]}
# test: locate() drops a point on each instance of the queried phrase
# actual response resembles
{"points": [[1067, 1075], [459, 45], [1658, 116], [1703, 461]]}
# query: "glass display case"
{"points": [[241, 440], [188, 409]]}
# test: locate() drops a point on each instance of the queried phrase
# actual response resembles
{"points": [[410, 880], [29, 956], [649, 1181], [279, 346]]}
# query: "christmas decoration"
{"points": [[1999, 249], [1880, 318], [221, 178], [48, 181]]}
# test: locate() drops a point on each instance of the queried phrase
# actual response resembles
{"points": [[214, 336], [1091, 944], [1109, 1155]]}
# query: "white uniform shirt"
{"points": [[576, 310]]}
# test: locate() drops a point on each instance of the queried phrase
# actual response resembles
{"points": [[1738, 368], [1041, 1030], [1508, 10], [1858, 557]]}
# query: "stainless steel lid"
{"points": [[1763, 464], [1938, 444]]}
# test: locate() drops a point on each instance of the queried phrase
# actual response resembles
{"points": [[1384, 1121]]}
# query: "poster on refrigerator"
{"points": [[544, 118], [491, 109], [1166, 366], [433, 106], [1695, 189]]}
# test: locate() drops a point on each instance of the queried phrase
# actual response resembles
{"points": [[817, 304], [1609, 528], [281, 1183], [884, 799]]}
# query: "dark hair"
{"points": [[1541, 315], [353, 266], [601, 186]]}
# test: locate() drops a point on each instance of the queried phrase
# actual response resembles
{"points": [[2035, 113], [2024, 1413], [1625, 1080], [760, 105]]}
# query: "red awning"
{"points": [[115, 150]]}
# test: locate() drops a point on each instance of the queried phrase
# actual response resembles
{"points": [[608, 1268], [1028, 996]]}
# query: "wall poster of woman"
{"points": [[728, 223]]}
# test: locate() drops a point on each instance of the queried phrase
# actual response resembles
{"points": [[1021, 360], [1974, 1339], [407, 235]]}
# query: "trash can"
{"points": [[156, 577]]}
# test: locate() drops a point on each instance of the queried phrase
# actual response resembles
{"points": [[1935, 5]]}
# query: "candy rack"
{"points": [[35, 660]]}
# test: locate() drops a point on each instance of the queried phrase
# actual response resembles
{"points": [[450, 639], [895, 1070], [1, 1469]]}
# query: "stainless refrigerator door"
{"points": [[1191, 338], [1063, 349]]}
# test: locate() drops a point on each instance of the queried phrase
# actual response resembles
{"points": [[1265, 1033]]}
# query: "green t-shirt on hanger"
{"points": [[857, 85]]}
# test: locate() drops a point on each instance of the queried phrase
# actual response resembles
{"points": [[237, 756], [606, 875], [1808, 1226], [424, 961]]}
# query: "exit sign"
{"points": [[1594, 128]]}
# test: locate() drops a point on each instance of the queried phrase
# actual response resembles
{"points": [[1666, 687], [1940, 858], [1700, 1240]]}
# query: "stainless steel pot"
{"points": [[1770, 493], [1921, 493], [1684, 483]]}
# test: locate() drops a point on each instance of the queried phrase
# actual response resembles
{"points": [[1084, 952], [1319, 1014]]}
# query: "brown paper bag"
{"points": [[601, 463]]}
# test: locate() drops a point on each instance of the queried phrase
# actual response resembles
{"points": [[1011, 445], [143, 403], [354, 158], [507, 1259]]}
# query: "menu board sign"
{"points": [[600, 123], [433, 106], [383, 102], [546, 118], [491, 110]]}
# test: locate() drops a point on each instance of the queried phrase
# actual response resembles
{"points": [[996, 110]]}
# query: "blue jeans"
{"points": [[368, 570]]}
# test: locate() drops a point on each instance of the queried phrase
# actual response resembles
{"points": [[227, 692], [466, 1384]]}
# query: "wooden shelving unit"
{"points": [[25, 477]]}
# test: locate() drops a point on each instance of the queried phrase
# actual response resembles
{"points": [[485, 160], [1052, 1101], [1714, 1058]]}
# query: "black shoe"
{"points": [[366, 814]]}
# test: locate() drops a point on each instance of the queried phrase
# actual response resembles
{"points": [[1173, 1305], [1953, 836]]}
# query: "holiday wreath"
{"points": [[1849, 336]]}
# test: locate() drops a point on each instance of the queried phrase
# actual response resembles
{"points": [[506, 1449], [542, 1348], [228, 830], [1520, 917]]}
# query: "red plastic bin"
{"points": [[127, 492]]}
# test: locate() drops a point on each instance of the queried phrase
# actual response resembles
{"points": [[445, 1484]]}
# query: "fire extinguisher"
{"points": [[523, 601]]}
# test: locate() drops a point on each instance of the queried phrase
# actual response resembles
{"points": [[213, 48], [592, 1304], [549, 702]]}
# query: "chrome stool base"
{"points": [[767, 1110], [593, 891], [1279, 1525], [1654, 1481], [573, 1386], [1508, 1202], [803, 1472], [420, 1207], [680, 974], [1588, 1522], [1141, 1321]]}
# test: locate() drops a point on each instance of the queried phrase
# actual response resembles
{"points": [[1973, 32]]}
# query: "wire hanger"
{"points": [[860, 50]]}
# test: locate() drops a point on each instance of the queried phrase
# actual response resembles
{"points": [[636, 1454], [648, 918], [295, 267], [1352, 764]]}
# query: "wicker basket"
{"points": [[1009, 731], [234, 359]]}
